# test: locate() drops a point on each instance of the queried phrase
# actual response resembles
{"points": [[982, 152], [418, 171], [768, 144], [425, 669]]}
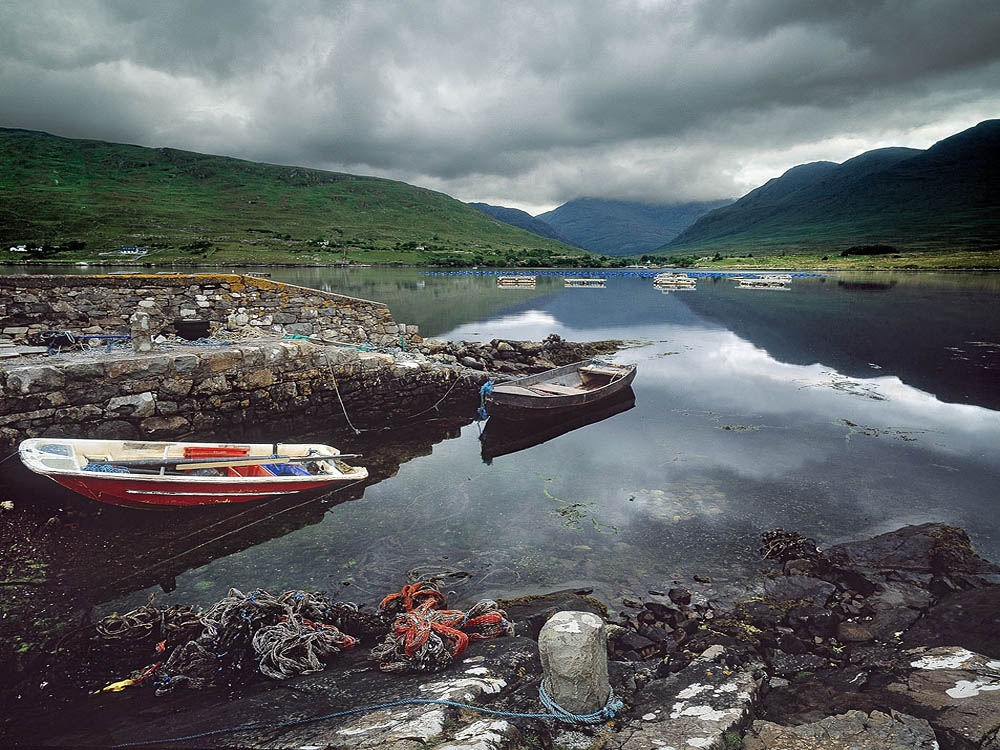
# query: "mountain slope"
{"points": [[621, 228], [945, 196], [520, 219], [54, 190]]}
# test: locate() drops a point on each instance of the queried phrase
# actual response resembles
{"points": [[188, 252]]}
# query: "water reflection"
{"points": [[837, 410], [501, 437]]}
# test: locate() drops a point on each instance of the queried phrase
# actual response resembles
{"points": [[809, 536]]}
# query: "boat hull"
{"points": [[153, 492], [517, 401], [167, 475]]}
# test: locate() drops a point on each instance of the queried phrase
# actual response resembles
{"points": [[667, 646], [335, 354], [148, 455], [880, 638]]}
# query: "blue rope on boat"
{"points": [[106, 468], [610, 710], [485, 391]]}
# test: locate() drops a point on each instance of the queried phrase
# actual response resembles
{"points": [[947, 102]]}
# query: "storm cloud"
{"points": [[513, 103]]}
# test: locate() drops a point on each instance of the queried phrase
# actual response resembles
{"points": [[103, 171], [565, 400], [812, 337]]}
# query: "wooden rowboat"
{"points": [[161, 474], [562, 391]]}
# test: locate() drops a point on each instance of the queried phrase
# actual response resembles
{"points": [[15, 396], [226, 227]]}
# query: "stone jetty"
{"points": [[272, 353]]}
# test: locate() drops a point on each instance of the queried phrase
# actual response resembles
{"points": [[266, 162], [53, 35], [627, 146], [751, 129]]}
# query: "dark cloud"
{"points": [[518, 103]]}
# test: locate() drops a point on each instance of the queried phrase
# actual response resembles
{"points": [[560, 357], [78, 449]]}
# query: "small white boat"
{"points": [[516, 281], [160, 474], [674, 281], [769, 281], [592, 283]]}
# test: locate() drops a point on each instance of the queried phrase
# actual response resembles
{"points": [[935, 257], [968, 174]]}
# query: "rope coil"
{"points": [[611, 708]]}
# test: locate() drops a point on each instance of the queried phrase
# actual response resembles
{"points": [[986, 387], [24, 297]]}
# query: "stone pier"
{"points": [[180, 390]]}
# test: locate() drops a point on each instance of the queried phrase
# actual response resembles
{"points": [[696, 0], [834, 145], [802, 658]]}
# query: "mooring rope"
{"points": [[437, 403], [336, 389]]}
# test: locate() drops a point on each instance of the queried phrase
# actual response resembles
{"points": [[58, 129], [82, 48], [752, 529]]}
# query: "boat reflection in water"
{"points": [[503, 436]]}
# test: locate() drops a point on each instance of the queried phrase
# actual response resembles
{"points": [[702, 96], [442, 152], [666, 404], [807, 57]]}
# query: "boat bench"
{"points": [[555, 389], [596, 370]]}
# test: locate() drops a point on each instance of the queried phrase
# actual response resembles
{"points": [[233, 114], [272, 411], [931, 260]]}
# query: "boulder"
{"points": [[854, 730]]}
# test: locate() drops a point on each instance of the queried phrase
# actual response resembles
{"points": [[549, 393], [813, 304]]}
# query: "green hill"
{"points": [[947, 197], [183, 206]]}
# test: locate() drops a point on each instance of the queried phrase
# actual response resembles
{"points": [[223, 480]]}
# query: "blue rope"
{"points": [[557, 712], [485, 391]]}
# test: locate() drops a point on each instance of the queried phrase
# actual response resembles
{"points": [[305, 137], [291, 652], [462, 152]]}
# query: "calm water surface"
{"points": [[842, 407]]}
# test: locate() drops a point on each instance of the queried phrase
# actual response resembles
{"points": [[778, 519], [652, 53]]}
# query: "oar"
{"points": [[189, 464]]}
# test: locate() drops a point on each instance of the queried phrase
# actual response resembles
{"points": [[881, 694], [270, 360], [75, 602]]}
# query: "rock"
{"points": [[693, 708], [137, 405], [928, 548], [529, 613], [963, 618], [849, 631], [799, 588], [472, 364], [680, 596], [573, 650], [959, 690], [786, 665], [854, 730]]}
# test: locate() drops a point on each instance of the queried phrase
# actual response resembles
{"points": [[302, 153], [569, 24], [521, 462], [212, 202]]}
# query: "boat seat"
{"points": [[555, 388], [596, 370], [515, 390]]}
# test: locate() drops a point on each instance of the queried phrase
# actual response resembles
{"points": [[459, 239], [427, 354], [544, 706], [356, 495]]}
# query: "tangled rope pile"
{"points": [[294, 633], [280, 636], [426, 637]]}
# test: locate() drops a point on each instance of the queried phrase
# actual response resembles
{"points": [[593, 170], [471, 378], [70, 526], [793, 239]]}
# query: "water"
{"points": [[845, 406]]}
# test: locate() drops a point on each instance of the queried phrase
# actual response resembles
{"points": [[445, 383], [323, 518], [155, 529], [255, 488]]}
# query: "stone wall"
{"points": [[212, 390], [103, 304]]}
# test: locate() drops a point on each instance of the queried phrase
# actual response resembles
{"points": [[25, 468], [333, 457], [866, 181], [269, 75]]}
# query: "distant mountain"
{"points": [[621, 228], [520, 219], [944, 196]]}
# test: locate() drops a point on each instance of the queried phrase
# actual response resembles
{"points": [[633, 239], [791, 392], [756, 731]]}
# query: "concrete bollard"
{"points": [[574, 653], [142, 340]]}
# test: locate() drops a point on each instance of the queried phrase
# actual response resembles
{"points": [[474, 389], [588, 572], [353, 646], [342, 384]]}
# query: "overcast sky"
{"points": [[523, 104]]}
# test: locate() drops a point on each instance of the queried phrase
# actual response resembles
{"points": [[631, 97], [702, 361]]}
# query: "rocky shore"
{"points": [[889, 642]]}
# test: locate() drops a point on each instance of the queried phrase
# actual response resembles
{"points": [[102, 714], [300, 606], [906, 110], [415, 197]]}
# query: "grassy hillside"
{"points": [[944, 198], [185, 206]]}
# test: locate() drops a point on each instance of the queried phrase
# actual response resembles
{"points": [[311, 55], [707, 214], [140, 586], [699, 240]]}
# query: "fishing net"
{"points": [[426, 637]]}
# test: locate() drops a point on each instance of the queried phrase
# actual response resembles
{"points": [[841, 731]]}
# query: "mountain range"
{"points": [[614, 228], [60, 191], [523, 220], [622, 228], [941, 197]]}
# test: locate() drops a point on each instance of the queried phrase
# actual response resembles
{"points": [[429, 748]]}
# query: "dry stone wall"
{"points": [[202, 390], [103, 304]]}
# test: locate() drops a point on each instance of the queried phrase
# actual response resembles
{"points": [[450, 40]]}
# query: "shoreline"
{"points": [[884, 642]]}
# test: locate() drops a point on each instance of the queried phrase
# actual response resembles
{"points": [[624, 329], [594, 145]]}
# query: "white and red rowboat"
{"points": [[161, 474]]}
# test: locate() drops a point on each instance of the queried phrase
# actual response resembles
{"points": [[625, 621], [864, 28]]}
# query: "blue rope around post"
{"points": [[557, 712]]}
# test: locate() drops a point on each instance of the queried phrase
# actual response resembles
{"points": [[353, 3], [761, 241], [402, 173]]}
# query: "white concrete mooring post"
{"points": [[574, 653], [142, 340]]}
